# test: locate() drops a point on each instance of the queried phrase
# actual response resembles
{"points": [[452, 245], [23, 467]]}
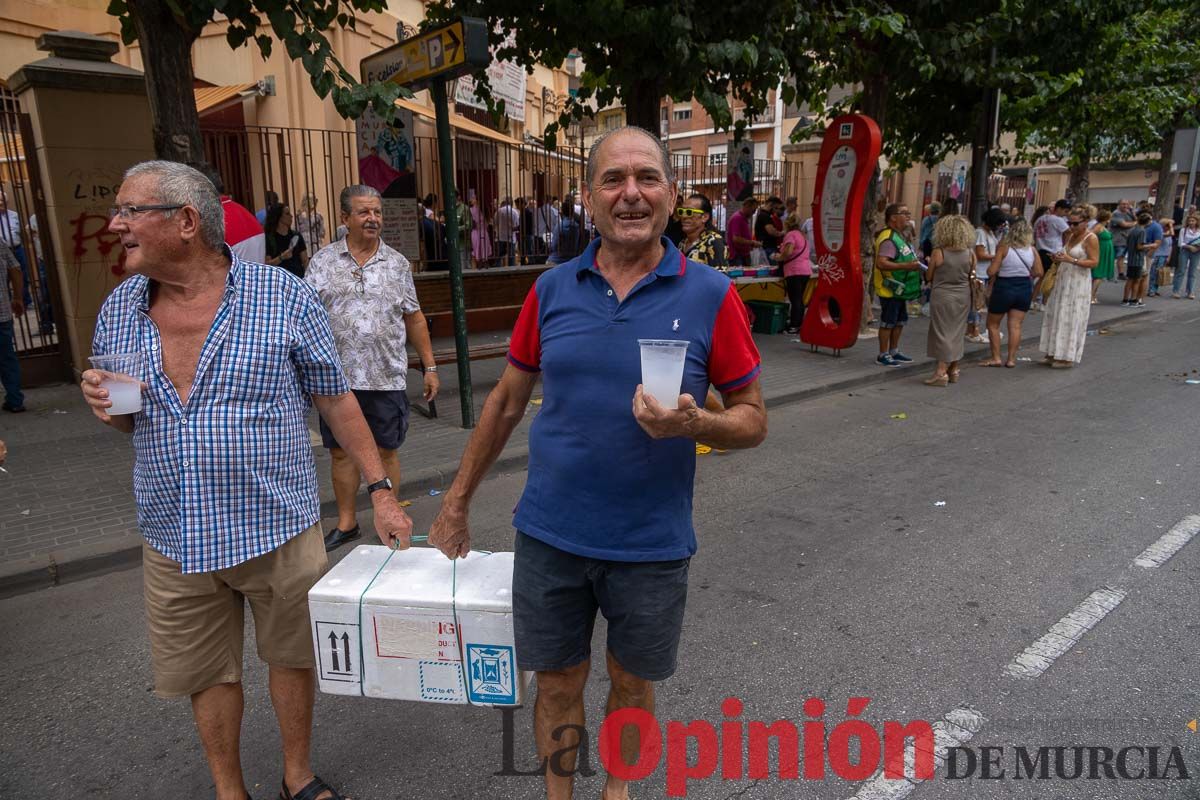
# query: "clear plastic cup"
{"points": [[121, 376], [662, 369]]}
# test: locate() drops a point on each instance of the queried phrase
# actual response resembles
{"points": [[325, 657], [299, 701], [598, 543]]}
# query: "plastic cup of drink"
{"points": [[662, 369], [121, 378]]}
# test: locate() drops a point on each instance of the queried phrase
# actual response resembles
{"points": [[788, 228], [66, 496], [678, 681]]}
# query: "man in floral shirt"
{"points": [[367, 288]]}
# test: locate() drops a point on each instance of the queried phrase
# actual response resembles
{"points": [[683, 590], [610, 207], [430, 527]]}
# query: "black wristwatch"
{"points": [[386, 483]]}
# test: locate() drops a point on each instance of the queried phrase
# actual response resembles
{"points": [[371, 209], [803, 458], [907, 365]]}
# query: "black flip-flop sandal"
{"points": [[312, 791]]}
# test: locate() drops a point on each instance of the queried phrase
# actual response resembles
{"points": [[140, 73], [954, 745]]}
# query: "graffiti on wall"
{"points": [[88, 230]]}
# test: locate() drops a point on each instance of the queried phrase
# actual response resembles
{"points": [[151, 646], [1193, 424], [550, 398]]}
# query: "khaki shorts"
{"points": [[197, 621]]}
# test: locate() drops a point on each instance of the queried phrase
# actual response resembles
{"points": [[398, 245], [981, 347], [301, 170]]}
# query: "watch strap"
{"points": [[385, 483]]}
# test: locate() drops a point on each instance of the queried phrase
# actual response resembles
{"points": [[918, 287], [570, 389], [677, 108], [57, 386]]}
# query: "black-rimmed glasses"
{"points": [[127, 212], [360, 281]]}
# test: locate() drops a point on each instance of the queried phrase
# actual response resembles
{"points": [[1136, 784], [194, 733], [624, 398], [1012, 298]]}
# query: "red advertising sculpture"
{"points": [[849, 156]]}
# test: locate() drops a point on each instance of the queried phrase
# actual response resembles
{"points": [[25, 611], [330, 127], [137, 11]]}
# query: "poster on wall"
{"points": [[958, 180], [385, 153], [402, 226], [740, 181], [507, 80]]}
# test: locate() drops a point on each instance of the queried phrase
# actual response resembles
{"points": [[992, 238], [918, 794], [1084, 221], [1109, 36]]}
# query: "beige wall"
{"points": [[22, 21], [81, 167]]}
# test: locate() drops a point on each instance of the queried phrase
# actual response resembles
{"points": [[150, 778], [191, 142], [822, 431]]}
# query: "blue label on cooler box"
{"points": [[491, 674]]}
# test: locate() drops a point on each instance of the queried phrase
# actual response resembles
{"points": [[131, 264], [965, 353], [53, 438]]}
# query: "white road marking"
{"points": [[1064, 634], [956, 728], [961, 724], [1169, 543]]}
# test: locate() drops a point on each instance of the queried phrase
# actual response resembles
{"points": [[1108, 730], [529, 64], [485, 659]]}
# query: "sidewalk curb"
{"points": [[55, 574], [440, 477]]}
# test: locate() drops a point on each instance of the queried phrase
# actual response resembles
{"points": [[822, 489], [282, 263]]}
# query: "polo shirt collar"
{"points": [[671, 265], [231, 280]]}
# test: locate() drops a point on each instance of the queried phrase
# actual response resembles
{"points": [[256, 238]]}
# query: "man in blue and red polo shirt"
{"points": [[605, 521]]}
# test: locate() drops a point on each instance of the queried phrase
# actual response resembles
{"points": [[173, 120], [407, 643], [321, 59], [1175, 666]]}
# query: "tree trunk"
{"points": [[981, 157], [642, 101], [166, 44], [874, 105], [1164, 203], [1079, 177]]}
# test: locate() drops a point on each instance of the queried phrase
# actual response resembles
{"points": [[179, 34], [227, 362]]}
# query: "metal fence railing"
{"points": [[297, 163], [37, 329]]}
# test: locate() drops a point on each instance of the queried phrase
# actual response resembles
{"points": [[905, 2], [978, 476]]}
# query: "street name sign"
{"points": [[443, 53]]}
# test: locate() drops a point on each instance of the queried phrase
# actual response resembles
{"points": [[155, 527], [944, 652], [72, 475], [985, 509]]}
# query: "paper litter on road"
{"points": [[405, 503], [434, 492], [1024, 358], [1191, 381], [901, 415], [25, 513], [58, 411], [703, 449], [940, 503]]}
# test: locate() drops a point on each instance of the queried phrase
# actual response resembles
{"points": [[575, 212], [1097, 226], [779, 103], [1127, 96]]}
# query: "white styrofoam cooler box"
{"points": [[411, 640]]}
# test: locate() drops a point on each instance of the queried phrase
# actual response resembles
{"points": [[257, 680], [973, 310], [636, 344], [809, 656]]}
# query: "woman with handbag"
{"points": [[797, 269], [1011, 273], [1064, 331], [951, 272]]}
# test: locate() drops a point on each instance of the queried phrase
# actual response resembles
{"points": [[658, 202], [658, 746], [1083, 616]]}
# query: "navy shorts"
{"points": [[387, 417], [893, 312], [556, 595], [1010, 294], [1135, 271]]}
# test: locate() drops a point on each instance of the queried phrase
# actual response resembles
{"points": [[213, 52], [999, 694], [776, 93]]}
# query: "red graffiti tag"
{"points": [[90, 227]]}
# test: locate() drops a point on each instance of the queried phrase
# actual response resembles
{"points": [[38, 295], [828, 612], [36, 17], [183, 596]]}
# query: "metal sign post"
{"points": [[430, 60]]}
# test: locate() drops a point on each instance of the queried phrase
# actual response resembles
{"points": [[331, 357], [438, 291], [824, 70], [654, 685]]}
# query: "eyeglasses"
{"points": [[689, 212], [129, 212], [360, 285]]}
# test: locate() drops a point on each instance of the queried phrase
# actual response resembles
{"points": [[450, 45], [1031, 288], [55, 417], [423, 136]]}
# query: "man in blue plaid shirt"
{"points": [[224, 477]]}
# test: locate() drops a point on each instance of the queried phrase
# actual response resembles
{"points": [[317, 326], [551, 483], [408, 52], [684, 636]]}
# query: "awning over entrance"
{"points": [[215, 98], [460, 122]]}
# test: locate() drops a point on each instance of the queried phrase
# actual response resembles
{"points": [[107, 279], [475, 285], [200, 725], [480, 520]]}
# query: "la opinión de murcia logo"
{"points": [[854, 750]]}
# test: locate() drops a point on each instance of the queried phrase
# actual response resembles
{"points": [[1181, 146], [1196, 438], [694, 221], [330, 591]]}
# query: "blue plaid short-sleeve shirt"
{"points": [[229, 476]]}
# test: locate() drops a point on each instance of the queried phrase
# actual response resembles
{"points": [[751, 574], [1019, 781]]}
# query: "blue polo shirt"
{"points": [[598, 486]]}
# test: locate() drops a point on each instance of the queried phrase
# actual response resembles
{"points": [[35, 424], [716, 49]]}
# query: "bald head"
{"points": [[595, 154]]}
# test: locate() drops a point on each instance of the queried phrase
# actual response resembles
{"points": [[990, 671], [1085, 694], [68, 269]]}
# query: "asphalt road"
{"points": [[855, 554]]}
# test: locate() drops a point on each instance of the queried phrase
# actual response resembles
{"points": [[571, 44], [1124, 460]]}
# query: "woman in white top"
{"points": [[987, 239], [1065, 328], [1189, 257], [311, 224], [1011, 274]]}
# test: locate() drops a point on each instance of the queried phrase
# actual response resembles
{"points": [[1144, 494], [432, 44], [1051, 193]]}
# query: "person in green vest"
{"points": [[464, 232], [897, 277]]}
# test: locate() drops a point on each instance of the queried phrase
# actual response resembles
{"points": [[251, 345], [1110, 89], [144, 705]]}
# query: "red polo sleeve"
{"points": [[733, 359], [525, 347]]}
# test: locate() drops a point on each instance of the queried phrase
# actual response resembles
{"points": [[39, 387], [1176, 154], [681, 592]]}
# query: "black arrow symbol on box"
{"points": [[346, 645], [334, 650], [451, 47]]}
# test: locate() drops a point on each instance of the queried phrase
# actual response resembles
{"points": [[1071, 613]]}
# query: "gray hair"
{"points": [[594, 152], [181, 185], [345, 201]]}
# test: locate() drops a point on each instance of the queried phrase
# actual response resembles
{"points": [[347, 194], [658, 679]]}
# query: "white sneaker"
{"points": [[978, 338]]}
